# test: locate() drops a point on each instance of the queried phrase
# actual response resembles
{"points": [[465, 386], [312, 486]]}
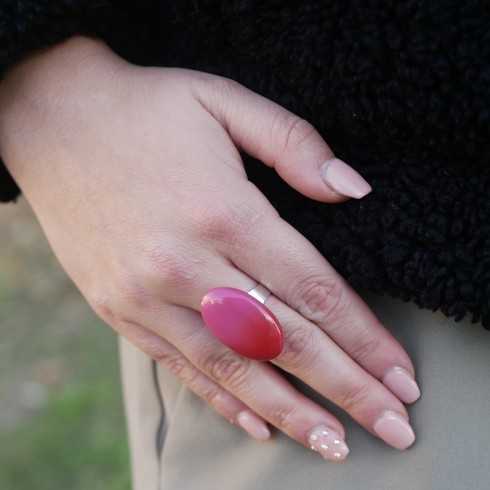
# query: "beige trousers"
{"points": [[178, 443]]}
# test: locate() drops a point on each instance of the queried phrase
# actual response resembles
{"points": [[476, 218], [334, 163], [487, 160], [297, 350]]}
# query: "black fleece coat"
{"points": [[400, 90]]}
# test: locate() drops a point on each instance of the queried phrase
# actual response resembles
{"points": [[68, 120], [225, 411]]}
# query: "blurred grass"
{"points": [[61, 415]]}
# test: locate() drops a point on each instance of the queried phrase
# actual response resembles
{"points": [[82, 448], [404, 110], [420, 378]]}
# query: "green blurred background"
{"points": [[61, 415]]}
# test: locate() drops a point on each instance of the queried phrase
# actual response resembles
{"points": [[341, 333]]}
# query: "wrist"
{"points": [[47, 89]]}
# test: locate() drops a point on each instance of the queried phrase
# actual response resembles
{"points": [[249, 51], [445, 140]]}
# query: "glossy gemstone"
{"points": [[242, 323]]}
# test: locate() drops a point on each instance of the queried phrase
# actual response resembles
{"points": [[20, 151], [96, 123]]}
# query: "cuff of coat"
{"points": [[9, 191]]}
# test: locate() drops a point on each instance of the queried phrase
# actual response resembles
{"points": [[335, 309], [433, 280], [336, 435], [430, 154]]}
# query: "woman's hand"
{"points": [[135, 176]]}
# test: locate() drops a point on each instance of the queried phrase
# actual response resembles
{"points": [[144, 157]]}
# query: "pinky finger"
{"points": [[167, 356]]}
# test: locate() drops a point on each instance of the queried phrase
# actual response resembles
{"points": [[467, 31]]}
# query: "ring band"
{"points": [[260, 293]]}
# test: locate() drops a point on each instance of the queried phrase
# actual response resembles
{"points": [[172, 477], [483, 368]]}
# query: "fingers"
{"points": [[308, 353], [279, 257], [282, 140], [167, 356], [258, 385], [314, 358]]}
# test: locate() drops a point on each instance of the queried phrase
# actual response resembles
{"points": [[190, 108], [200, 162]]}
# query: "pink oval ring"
{"points": [[242, 323]]}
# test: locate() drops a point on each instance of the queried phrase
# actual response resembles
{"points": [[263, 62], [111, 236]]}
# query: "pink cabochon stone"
{"points": [[242, 323]]}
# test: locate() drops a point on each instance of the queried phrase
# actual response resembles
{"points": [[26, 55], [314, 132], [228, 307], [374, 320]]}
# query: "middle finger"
{"points": [[278, 256], [318, 361]]}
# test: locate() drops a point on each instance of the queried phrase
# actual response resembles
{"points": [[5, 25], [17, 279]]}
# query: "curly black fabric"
{"points": [[400, 90]]}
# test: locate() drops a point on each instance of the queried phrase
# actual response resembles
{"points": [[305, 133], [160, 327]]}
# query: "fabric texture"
{"points": [[201, 450], [400, 90]]}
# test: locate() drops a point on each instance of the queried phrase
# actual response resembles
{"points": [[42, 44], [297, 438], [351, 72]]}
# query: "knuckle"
{"points": [[282, 417], [354, 397], [320, 299], [110, 308], [228, 223], [300, 349], [212, 395], [166, 270], [154, 351], [132, 292], [180, 367], [223, 86], [227, 369], [217, 90], [128, 293], [364, 348], [296, 130], [174, 362], [217, 224]]}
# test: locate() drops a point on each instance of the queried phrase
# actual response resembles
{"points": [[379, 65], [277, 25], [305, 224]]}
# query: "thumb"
{"points": [[282, 140]]}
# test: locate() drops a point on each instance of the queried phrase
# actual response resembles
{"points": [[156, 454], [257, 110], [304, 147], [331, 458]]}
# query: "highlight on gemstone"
{"points": [[242, 323]]}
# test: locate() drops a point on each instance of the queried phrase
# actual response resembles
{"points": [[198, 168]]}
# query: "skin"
{"points": [[136, 178]]}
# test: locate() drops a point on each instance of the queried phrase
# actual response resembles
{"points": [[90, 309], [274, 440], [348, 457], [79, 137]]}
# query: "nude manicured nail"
{"points": [[343, 179], [402, 384], [253, 425], [394, 429], [328, 443]]}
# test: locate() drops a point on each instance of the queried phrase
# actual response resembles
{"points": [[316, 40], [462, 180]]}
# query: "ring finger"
{"points": [[168, 357], [257, 384], [308, 353]]}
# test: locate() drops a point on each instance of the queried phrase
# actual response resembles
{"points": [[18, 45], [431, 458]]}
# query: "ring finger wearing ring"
{"points": [[307, 352]]}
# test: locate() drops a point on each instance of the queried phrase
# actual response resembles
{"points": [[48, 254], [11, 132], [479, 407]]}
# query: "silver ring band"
{"points": [[260, 293]]}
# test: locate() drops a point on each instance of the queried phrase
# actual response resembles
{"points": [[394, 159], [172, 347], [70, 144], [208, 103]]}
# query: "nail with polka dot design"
{"points": [[328, 443]]}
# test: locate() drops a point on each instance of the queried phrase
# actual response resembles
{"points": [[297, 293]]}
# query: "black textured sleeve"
{"points": [[27, 25]]}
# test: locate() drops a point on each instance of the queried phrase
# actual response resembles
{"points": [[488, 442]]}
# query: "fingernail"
{"points": [[394, 430], [343, 179], [401, 383], [253, 425], [328, 443]]}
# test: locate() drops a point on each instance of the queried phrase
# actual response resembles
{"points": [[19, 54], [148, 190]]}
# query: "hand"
{"points": [[136, 179]]}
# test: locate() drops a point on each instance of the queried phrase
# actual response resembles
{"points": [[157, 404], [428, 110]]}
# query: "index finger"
{"points": [[284, 261]]}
